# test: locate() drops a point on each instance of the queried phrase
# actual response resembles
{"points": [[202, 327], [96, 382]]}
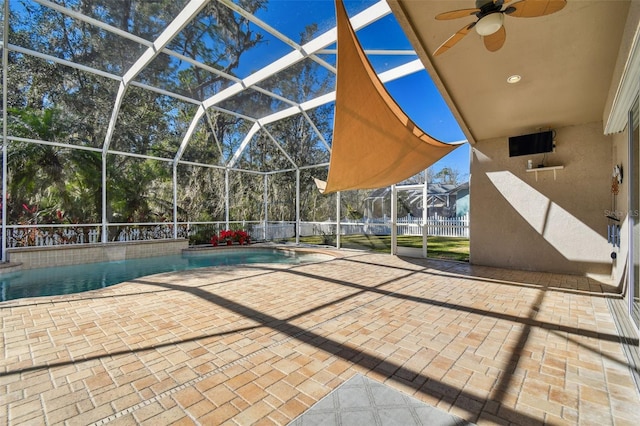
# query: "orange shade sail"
{"points": [[375, 144]]}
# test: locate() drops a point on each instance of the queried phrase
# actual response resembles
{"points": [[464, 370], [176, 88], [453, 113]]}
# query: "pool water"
{"points": [[78, 278]]}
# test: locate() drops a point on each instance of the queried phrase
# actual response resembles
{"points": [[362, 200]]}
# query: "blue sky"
{"points": [[420, 99]]}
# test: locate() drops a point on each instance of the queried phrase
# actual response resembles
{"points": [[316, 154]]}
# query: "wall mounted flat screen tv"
{"points": [[534, 143]]}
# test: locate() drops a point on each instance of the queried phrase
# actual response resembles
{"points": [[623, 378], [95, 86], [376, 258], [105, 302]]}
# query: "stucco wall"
{"points": [[46, 257], [547, 225]]}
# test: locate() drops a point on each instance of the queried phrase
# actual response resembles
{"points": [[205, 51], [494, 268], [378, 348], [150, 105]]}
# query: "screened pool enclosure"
{"points": [[138, 119]]}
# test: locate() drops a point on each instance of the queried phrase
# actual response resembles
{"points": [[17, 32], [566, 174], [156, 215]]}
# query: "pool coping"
{"points": [[22, 258], [326, 250], [333, 253]]}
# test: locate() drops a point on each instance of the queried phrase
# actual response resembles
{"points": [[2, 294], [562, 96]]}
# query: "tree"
{"points": [[447, 176], [55, 103], [62, 183]]}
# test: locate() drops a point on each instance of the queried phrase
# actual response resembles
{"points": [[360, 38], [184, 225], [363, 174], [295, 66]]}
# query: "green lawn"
{"points": [[453, 248]]}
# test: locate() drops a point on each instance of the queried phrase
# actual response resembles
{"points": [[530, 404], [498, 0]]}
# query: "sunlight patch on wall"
{"points": [[566, 233], [480, 157]]}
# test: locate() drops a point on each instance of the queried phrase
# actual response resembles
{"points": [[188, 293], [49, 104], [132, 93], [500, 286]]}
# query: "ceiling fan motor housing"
{"points": [[487, 6]]}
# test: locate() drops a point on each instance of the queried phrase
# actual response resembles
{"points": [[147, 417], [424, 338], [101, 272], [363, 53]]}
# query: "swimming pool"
{"points": [[78, 278]]}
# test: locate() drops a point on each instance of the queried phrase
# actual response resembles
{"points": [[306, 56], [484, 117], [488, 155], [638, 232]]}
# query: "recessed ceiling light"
{"points": [[513, 79]]}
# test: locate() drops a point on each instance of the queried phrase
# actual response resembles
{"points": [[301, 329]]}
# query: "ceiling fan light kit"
{"points": [[489, 24]]}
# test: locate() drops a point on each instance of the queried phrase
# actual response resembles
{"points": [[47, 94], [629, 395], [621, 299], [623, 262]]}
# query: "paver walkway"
{"points": [[263, 343]]}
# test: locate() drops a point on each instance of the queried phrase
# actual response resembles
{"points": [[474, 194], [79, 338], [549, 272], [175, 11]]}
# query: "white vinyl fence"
{"points": [[435, 226], [54, 235]]}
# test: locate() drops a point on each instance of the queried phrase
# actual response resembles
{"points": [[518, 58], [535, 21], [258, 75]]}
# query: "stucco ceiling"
{"points": [[566, 61]]}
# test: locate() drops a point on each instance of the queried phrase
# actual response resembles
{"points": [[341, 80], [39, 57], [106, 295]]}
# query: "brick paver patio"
{"points": [[262, 343]]}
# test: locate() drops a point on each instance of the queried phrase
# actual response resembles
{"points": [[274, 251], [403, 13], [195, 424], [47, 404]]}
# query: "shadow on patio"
{"points": [[488, 349]]}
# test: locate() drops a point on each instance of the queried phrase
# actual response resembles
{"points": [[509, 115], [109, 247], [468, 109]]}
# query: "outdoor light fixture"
{"points": [[489, 24], [513, 79]]}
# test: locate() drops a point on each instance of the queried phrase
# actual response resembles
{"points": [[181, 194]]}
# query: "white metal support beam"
{"points": [[175, 199], [165, 93], [172, 30], [209, 166], [213, 132], [105, 221], [122, 88], [226, 198], [298, 206], [5, 142], [370, 52], [236, 156], [315, 129], [64, 62], [281, 149], [338, 216], [394, 220], [194, 122], [314, 166], [245, 142], [192, 128], [632, 219], [58, 144], [84, 18], [265, 203], [250, 17], [425, 214]]}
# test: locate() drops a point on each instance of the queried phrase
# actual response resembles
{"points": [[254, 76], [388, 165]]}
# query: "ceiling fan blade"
{"points": [[455, 14], [494, 42], [451, 41], [534, 8]]}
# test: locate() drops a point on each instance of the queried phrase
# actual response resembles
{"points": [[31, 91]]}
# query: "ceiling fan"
{"points": [[490, 14]]}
